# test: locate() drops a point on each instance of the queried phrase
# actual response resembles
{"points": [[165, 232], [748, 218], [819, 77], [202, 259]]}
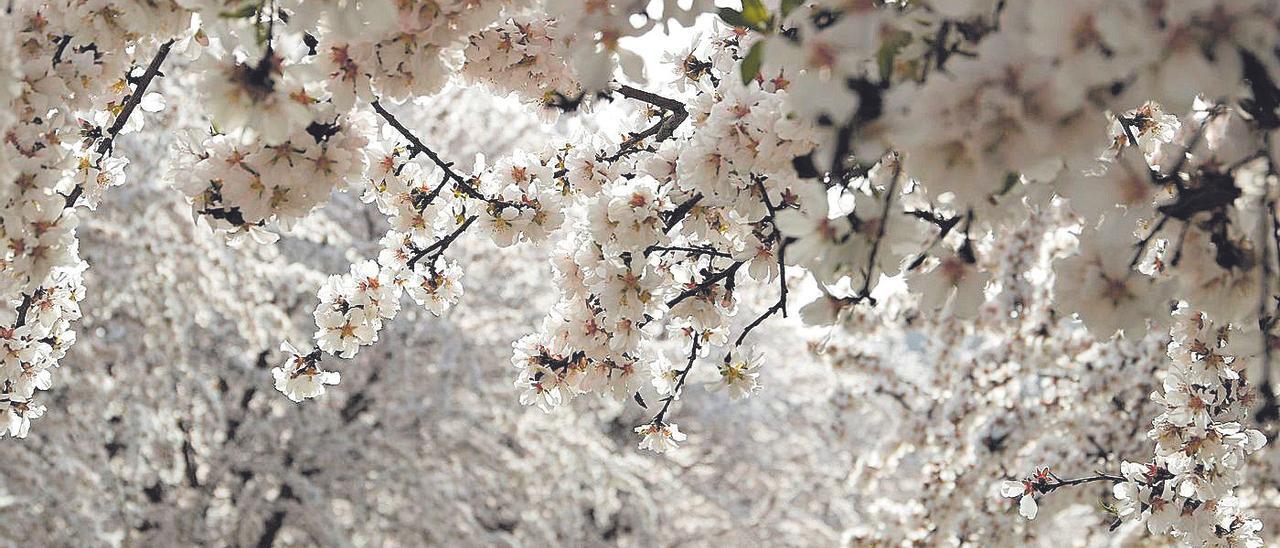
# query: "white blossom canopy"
{"points": [[935, 253]]}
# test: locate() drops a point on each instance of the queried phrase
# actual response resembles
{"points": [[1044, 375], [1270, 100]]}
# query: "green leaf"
{"points": [[889, 49], [756, 14], [734, 18], [751, 65], [245, 11], [789, 5]]}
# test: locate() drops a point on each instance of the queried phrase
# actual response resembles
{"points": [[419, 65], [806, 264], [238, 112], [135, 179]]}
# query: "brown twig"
{"points": [[464, 185], [684, 374]]}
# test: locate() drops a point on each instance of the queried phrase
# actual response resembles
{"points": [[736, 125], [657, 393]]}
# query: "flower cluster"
{"points": [[524, 57], [65, 96], [600, 28], [1201, 447], [37, 339], [241, 185], [352, 307], [655, 239], [987, 105], [1188, 490], [300, 377]]}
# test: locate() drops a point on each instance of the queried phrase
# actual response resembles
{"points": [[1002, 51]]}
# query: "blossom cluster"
{"points": [[523, 57], [1187, 491], [986, 104], [60, 92], [659, 236], [241, 186]]}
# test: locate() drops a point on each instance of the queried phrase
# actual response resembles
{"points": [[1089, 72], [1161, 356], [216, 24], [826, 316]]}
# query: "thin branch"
{"points": [[664, 249], [441, 245], [781, 304], [463, 184], [1058, 483], [1141, 246], [681, 210], [865, 292], [661, 130], [63, 42], [778, 306], [782, 246], [706, 284], [684, 374], [135, 98], [105, 146]]}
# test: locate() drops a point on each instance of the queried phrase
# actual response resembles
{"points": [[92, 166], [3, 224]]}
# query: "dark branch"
{"points": [[705, 284], [865, 292], [464, 185], [663, 129], [23, 309], [1054, 482], [663, 249], [441, 245], [63, 42], [684, 374], [135, 98], [681, 210]]}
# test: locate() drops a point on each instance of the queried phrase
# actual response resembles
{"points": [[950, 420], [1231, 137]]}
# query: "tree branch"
{"points": [[705, 284], [463, 184], [681, 210], [106, 145], [651, 98], [135, 98], [1058, 483], [442, 244], [663, 249], [865, 292], [684, 374]]}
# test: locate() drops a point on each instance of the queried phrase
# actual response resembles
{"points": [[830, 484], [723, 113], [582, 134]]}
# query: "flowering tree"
{"points": [[1057, 208]]}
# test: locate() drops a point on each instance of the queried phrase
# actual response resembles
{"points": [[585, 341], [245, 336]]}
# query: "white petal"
{"points": [[152, 102], [1011, 489], [1027, 507]]}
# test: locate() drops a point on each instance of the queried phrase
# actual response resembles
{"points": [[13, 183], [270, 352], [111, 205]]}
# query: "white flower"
{"points": [[1149, 125], [542, 387], [665, 376], [741, 377], [435, 289], [299, 377], [1023, 491], [375, 287], [17, 418], [817, 237], [342, 334], [660, 437], [1128, 497]]}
